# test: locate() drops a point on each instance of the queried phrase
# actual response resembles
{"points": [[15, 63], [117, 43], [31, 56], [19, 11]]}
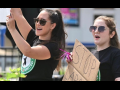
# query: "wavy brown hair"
{"points": [[109, 21]]}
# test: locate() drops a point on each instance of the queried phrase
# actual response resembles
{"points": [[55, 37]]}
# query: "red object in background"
{"points": [[1, 76]]}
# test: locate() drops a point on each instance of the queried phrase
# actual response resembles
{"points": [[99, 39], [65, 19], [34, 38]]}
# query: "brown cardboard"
{"points": [[84, 63], [72, 74]]}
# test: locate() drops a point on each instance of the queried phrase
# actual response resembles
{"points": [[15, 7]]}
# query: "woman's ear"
{"points": [[53, 26], [112, 34]]}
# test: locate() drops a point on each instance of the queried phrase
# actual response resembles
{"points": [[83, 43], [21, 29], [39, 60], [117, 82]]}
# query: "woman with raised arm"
{"points": [[40, 47]]}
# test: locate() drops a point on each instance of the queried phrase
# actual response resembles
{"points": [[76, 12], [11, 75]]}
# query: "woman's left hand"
{"points": [[71, 57], [117, 79], [10, 23]]}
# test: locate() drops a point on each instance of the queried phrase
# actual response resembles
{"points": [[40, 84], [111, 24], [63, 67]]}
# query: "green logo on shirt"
{"points": [[27, 64], [98, 76]]}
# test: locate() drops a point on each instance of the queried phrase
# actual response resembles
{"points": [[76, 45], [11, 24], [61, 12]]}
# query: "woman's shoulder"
{"points": [[52, 43], [114, 51]]}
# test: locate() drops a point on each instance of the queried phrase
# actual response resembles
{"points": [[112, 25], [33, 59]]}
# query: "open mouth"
{"points": [[39, 29], [97, 37]]}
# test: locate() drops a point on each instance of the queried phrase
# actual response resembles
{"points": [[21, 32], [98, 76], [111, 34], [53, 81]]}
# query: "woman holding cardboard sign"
{"points": [[108, 48], [108, 53]]}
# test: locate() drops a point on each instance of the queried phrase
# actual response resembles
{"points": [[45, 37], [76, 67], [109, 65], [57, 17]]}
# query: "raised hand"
{"points": [[15, 12], [10, 23]]}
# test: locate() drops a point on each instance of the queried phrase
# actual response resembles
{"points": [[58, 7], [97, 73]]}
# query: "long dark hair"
{"points": [[58, 33]]}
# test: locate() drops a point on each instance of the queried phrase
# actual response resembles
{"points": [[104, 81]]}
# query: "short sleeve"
{"points": [[30, 36], [116, 65], [53, 48]]}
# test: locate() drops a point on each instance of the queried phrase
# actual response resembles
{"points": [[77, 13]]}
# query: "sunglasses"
{"points": [[42, 22], [100, 28]]}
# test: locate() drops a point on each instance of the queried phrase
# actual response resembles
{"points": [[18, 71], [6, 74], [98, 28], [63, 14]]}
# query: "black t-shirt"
{"points": [[109, 63], [39, 70]]}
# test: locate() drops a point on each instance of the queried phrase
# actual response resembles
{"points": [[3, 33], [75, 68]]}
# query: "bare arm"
{"points": [[38, 52], [22, 23]]}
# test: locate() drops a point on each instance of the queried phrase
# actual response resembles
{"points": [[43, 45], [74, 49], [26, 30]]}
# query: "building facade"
{"points": [[78, 23], [86, 18]]}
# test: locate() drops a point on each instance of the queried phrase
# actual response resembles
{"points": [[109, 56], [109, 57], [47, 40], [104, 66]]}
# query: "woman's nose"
{"points": [[37, 23], [96, 30]]}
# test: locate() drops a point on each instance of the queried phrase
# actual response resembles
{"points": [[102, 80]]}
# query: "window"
{"points": [[103, 11], [70, 16]]}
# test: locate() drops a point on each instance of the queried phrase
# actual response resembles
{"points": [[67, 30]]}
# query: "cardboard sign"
{"points": [[84, 66], [3, 13]]}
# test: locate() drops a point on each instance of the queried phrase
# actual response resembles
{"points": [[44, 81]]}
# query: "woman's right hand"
{"points": [[15, 12], [71, 57]]}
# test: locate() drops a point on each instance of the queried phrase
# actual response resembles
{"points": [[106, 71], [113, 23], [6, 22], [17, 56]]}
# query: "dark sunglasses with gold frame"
{"points": [[42, 22]]}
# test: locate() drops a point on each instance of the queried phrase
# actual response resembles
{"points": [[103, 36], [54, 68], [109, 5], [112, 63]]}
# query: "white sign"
{"points": [[3, 13]]}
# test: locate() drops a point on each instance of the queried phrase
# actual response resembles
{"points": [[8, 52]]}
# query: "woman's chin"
{"points": [[37, 34], [97, 43]]}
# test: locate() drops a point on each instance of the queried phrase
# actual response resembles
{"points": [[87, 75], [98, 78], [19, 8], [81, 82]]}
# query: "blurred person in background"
{"points": [[40, 47]]}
